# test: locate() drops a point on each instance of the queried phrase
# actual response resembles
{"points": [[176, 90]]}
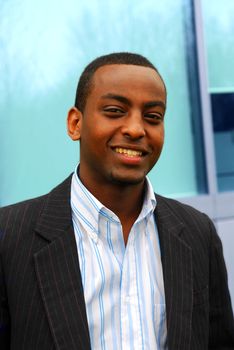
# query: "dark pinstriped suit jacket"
{"points": [[42, 302]]}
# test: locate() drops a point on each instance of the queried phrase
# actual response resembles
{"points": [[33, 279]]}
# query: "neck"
{"points": [[123, 200]]}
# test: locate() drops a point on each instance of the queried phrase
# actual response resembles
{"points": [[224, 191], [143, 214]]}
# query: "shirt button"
{"points": [[127, 298]]}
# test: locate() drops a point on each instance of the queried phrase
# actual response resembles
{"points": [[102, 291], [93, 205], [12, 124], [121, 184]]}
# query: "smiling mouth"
{"points": [[128, 152]]}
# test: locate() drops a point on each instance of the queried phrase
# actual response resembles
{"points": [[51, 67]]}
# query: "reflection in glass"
{"points": [[219, 29], [223, 123]]}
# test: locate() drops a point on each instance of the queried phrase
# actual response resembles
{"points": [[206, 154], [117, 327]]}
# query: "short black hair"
{"points": [[85, 81]]}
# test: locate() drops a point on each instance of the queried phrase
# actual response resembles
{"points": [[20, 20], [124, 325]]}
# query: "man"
{"points": [[102, 262]]}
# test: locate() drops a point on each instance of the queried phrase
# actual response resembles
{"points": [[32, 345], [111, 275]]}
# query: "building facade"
{"points": [[45, 46]]}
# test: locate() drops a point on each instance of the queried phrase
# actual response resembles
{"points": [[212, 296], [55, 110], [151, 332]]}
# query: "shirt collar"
{"points": [[87, 209], [149, 203]]}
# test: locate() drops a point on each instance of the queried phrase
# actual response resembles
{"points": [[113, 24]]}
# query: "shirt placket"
{"points": [[129, 301]]}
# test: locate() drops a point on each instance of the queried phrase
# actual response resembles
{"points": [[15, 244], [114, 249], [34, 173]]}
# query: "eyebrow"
{"points": [[155, 104], [118, 98], [126, 101]]}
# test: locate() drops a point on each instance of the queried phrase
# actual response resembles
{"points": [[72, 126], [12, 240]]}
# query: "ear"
{"points": [[74, 122]]}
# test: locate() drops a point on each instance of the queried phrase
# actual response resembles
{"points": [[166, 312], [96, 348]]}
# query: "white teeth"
{"points": [[129, 152]]}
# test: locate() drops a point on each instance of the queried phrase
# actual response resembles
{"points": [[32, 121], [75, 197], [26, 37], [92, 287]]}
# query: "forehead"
{"points": [[125, 78]]}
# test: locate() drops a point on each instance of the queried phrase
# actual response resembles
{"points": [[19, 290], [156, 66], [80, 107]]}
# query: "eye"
{"points": [[153, 117], [113, 111]]}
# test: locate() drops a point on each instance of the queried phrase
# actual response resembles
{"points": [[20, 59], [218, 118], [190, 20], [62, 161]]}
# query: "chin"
{"points": [[128, 180]]}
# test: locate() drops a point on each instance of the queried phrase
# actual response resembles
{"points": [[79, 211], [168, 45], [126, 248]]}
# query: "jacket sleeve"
{"points": [[221, 332], [4, 312]]}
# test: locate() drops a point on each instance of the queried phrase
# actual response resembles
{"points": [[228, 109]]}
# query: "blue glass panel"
{"points": [[219, 29], [223, 112], [223, 122], [44, 47]]}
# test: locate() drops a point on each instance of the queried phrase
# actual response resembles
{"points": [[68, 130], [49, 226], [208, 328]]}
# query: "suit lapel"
{"points": [[178, 280], [58, 273]]}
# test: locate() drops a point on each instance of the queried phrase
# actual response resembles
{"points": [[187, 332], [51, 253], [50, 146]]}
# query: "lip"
{"points": [[127, 159], [143, 150]]}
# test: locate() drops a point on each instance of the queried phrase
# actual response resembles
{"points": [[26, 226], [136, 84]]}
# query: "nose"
{"points": [[133, 126]]}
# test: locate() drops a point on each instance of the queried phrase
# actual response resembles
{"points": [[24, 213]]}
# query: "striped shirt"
{"points": [[123, 286]]}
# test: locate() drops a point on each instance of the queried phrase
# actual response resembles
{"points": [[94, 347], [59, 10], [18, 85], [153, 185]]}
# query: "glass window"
{"points": [[44, 48], [219, 29]]}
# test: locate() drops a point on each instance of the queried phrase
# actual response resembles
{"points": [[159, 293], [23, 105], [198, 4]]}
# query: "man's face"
{"points": [[122, 125]]}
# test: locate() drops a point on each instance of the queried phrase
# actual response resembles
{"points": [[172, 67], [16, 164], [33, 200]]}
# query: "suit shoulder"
{"points": [[186, 213], [198, 228], [20, 218], [177, 205], [27, 211], [23, 204]]}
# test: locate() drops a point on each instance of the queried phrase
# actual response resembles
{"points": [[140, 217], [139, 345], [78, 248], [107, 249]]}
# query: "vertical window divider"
{"points": [[205, 101]]}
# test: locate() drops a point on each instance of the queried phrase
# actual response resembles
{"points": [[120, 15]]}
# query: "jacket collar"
{"points": [[178, 275], [56, 216], [58, 273]]}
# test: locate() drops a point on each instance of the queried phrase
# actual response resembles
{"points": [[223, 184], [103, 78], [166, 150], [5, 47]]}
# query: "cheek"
{"points": [[93, 143], [98, 131], [162, 138], [159, 138], [91, 135]]}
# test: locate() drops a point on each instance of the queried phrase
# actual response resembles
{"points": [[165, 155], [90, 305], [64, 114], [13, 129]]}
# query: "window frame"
{"points": [[218, 205]]}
